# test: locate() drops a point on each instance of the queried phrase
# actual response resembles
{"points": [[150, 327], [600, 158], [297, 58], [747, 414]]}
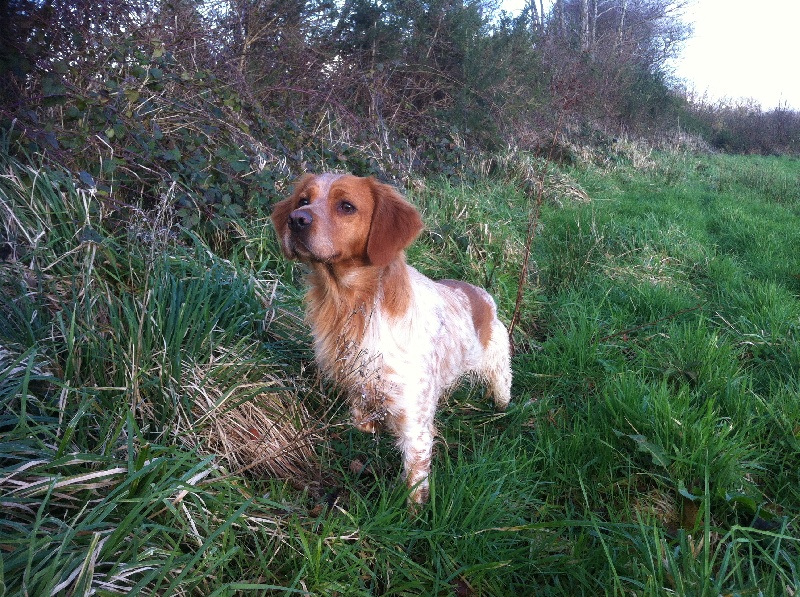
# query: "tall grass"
{"points": [[129, 368], [163, 430]]}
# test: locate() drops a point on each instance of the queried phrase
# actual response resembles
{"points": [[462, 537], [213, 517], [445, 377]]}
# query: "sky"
{"points": [[744, 49], [740, 50]]}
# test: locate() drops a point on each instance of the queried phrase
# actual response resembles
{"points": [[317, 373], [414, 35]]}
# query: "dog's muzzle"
{"points": [[300, 221]]}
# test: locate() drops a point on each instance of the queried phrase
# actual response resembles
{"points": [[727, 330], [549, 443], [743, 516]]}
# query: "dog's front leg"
{"points": [[415, 439]]}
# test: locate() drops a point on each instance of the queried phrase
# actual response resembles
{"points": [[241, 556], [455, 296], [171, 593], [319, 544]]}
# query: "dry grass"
{"points": [[530, 172], [261, 427], [648, 265]]}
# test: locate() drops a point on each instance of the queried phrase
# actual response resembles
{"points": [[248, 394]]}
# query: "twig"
{"points": [[533, 222], [651, 323]]}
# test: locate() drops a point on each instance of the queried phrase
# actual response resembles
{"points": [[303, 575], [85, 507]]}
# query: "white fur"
{"points": [[412, 360]]}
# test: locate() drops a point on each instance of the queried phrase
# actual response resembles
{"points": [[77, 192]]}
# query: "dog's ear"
{"points": [[395, 224], [282, 209]]}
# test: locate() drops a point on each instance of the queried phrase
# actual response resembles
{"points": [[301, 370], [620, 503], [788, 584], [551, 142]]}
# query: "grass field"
{"points": [[164, 432]]}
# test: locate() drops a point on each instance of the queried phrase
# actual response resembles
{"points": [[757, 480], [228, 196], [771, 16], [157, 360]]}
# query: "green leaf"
{"points": [[90, 235], [52, 86], [172, 155], [686, 493], [51, 139], [750, 503], [87, 179], [239, 165], [657, 453]]}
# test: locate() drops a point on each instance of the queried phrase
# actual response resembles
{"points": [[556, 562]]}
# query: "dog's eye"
{"points": [[347, 208], [303, 201]]}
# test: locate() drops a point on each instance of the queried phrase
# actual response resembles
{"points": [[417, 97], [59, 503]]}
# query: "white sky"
{"points": [[740, 50], [744, 49]]}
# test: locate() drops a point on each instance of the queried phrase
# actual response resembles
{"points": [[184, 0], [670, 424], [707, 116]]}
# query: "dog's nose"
{"points": [[299, 220]]}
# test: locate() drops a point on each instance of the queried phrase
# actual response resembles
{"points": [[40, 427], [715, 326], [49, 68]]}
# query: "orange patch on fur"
{"points": [[482, 311]]}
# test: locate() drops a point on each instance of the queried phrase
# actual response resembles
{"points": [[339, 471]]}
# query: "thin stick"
{"points": [[533, 222], [651, 323]]}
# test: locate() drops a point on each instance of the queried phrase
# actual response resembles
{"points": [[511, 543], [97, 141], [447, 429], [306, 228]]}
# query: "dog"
{"points": [[393, 339]]}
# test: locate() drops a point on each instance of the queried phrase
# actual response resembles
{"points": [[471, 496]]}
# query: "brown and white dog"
{"points": [[394, 339]]}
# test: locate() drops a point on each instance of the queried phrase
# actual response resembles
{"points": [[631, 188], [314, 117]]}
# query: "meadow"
{"points": [[163, 430]]}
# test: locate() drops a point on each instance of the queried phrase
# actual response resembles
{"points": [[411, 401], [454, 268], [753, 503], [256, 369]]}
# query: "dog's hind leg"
{"points": [[496, 365]]}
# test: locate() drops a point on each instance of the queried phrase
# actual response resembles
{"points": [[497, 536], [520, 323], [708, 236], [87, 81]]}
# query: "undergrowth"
{"points": [[164, 432]]}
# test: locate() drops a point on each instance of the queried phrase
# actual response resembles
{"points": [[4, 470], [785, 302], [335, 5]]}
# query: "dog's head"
{"points": [[339, 218]]}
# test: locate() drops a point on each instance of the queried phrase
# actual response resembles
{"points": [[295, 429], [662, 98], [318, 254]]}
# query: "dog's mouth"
{"points": [[299, 248], [301, 251]]}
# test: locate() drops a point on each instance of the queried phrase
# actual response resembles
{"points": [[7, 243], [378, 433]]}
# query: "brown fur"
{"points": [[482, 310]]}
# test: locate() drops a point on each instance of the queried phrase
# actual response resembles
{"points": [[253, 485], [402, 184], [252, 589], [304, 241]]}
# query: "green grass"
{"points": [[162, 429]]}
